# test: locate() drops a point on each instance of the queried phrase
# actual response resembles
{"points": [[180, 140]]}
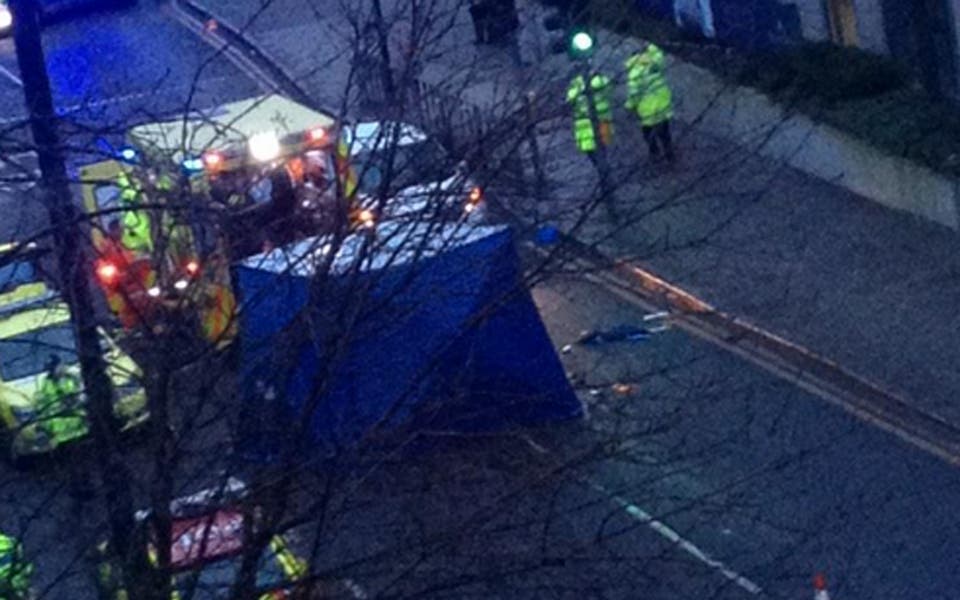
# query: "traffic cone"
{"points": [[820, 587]]}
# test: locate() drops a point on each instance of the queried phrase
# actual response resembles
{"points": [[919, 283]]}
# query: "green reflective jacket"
{"points": [[647, 91], [137, 232], [600, 90], [137, 236], [58, 417], [15, 572], [583, 132]]}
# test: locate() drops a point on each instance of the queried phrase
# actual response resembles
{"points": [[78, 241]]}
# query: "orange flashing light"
{"points": [[475, 196], [316, 135], [213, 160]]}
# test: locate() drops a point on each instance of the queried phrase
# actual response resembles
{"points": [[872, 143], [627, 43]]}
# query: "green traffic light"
{"points": [[581, 42]]}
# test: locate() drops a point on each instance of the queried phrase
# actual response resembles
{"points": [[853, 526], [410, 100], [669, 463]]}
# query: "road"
{"points": [[769, 480], [762, 483], [707, 478]]}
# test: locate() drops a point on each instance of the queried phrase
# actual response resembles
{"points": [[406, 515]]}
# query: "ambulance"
{"points": [[213, 186]]}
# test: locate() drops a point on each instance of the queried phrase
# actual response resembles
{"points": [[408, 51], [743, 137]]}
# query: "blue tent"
{"points": [[430, 331]]}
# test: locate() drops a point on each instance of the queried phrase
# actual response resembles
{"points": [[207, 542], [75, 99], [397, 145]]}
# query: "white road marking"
{"points": [[663, 529], [675, 538], [358, 592], [10, 75], [234, 55]]}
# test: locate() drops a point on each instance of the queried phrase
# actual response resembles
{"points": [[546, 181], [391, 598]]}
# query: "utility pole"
{"points": [[581, 46], [55, 193]]}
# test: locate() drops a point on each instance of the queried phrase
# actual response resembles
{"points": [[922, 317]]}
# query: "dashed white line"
{"points": [[664, 530], [675, 538], [10, 75]]}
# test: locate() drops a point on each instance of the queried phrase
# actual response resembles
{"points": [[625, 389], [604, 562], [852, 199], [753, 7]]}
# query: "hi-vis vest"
{"points": [[582, 126], [345, 170], [647, 91]]}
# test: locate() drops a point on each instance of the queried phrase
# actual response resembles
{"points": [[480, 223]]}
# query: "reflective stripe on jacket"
{"points": [[600, 90], [583, 132], [15, 572], [136, 235], [219, 320], [59, 419]]}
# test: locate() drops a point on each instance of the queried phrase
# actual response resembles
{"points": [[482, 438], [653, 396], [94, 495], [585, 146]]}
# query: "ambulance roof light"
{"points": [[264, 146], [192, 165], [129, 154], [212, 160]]}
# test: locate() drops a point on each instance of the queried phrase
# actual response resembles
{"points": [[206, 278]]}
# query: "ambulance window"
{"points": [[318, 167], [27, 354], [261, 190], [412, 164], [107, 196], [371, 179], [15, 274]]}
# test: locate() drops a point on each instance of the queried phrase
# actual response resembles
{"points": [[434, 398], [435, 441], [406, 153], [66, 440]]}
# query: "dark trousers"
{"points": [[495, 21], [480, 14], [659, 140]]}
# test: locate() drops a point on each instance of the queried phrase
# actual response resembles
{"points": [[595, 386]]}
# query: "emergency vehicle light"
{"points": [[212, 160], [128, 154], [316, 135], [192, 164], [107, 272], [366, 218], [192, 267], [264, 146]]}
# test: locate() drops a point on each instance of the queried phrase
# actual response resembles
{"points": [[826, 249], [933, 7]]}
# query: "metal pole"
{"points": [[55, 191], [539, 177], [601, 162]]}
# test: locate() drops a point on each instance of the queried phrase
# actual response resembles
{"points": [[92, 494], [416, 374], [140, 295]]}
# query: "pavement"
{"points": [[867, 287]]}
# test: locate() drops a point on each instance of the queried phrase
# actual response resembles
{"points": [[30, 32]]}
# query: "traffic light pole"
{"points": [[602, 163], [55, 190]]}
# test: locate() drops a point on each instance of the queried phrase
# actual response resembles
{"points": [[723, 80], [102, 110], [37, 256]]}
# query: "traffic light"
{"points": [[580, 43]]}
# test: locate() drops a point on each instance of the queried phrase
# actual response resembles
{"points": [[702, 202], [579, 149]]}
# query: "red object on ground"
{"points": [[820, 587]]}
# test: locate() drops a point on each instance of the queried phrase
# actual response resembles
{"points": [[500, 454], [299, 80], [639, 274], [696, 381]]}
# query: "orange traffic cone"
{"points": [[820, 587]]}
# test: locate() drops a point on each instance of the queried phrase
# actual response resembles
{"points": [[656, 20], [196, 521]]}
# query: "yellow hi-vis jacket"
{"points": [[647, 91], [577, 96]]}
